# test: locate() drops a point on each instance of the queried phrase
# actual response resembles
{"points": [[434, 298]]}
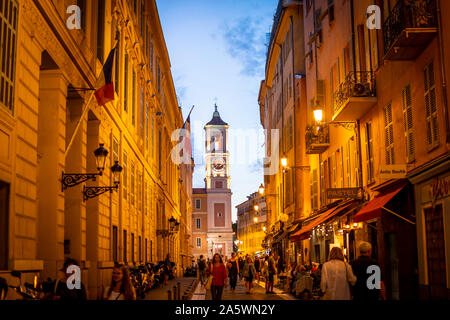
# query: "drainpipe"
{"points": [[294, 126], [352, 12], [442, 65]]}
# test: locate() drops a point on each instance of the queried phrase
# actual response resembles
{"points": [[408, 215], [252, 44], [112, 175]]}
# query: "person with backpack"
{"points": [[233, 271], [201, 265]]}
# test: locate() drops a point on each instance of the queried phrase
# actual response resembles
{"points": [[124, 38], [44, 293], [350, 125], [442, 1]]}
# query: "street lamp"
{"points": [[256, 207], [318, 114], [72, 179], [100, 156], [92, 192], [173, 228], [284, 162], [262, 190], [255, 219]]}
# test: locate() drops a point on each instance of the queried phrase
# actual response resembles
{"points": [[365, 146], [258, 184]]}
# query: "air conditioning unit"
{"points": [[360, 90]]}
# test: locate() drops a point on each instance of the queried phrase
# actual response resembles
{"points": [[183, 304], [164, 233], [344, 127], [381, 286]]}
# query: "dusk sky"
{"points": [[217, 51]]}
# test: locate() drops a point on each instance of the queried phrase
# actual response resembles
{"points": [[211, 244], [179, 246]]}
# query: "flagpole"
{"points": [[86, 109], [170, 153]]}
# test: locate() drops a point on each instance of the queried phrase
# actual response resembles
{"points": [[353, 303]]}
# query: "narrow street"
{"points": [[258, 293]]}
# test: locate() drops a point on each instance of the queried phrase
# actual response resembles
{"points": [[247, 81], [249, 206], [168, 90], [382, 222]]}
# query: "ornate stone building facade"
{"points": [[45, 67]]}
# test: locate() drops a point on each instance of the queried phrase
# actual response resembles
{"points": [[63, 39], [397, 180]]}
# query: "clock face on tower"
{"points": [[218, 165]]}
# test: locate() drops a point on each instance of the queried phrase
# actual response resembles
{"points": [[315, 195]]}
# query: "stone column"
{"points": [[51, 147]]}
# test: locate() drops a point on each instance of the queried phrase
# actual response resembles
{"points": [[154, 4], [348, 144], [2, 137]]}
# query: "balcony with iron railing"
{"points": [[409, 28], [355, 96], [317, 138]]}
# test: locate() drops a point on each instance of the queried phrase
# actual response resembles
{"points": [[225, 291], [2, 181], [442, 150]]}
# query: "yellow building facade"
{"points": [[41, 107], [251, 225], [374, 124]]}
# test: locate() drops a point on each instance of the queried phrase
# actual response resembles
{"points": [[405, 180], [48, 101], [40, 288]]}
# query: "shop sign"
{"points": [[344, 193], [440, 188], [393, 171]]}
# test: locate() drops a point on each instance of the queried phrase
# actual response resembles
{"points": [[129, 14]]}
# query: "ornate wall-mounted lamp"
{"points": [[72, 179], [92, 192]]}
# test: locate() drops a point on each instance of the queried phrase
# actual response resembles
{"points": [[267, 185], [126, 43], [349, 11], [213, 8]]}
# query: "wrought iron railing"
{"points": [[317, 135], [408, 14], [356, 84]]}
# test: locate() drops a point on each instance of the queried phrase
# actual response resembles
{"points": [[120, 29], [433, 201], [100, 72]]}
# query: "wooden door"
{"points": [[437, 275]]}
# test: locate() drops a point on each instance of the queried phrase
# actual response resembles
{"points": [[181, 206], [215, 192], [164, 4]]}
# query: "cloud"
{"points": [[245, 40]]}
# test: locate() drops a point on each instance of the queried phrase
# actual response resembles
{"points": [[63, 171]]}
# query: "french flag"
{"points": [[105, 85]]}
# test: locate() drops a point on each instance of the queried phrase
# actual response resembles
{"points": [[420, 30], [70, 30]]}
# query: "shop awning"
{"points": [[374, 208], [305, 232]]}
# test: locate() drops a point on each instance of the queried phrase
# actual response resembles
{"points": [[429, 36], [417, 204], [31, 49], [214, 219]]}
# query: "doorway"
{"points": [[437, 275], [392, 266], [4, 228]]}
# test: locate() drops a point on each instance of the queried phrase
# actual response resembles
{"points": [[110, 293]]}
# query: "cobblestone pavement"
{"points": [[258, 293], [161, 293]]}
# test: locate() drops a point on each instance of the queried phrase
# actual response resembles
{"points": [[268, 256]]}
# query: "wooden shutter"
{"points": [[408, 123], [389, 134], [431, 107]]}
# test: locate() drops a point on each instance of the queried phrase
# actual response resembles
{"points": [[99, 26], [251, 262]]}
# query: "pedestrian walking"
{"points": [[272, 271], [360, 266], [337, 276], [258, 268], [167, 268], [249, 274], [201, 267], [121, 287], [266, 272], [219, 273], [62, 291], [233, 271], [241, 267]]}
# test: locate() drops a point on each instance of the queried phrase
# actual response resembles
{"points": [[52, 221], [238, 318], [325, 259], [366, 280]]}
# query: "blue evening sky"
{"points": [[217, 51]]}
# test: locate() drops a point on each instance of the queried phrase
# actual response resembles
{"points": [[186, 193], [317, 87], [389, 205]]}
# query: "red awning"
{"points": [[373, 209], [305, 232]]}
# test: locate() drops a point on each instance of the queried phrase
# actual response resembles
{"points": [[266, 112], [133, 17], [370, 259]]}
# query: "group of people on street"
{"points": [[217, 274], [336, 279], [120, 288]]}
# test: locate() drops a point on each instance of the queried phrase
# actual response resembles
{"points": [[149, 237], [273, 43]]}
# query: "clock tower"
{"points": [[217, 156], [219, 235]]}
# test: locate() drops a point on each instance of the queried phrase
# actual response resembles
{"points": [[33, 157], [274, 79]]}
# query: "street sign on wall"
{"points": [[344, 193], [393, 171]]}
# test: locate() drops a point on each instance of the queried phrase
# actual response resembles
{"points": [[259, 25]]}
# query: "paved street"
{"points": [[258, 293], [161, 293]]}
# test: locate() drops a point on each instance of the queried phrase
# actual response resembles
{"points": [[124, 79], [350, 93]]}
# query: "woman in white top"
{"points": [[337, 275], [121, 287]]}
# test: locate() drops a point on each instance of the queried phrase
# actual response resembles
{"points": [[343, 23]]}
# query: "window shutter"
{"points": [[431, 107], [408, 123], [389, 134]]}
